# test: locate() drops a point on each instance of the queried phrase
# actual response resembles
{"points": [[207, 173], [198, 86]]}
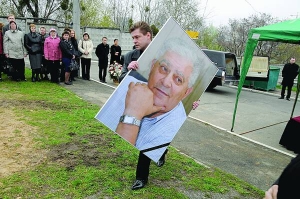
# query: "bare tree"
{"points": [[234, 37], [38, 8], [185, 12]]}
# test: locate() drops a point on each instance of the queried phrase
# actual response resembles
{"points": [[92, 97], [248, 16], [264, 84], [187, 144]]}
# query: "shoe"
{"points": [[288, 99], [138, 184], [68, 83], [281, 98], [33, 79], [162, 160], [0, 79]]}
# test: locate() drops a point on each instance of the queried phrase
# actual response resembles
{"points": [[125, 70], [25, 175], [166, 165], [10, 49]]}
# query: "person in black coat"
{"points": [[289, 73], [45, 70], [68, 53], [102, 52], [115, 52], [288, 183], [33, 44]]}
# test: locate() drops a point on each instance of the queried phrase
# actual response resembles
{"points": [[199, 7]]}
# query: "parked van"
{"points": [[227, 65]]}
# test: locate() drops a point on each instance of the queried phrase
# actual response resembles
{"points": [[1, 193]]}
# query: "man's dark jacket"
{"points": [[129, 57], [102, 52], [113, 57], [289, 73]]}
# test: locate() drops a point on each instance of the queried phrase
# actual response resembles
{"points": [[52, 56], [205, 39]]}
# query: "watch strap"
{"points": [[127, 119]]}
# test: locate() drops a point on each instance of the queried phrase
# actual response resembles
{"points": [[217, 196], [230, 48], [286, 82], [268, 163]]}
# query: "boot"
{"points": [[32, 77], [37, 77]]}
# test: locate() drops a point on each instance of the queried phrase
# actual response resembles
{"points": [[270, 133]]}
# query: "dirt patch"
{"points": [[82, 150], [17, 147]]}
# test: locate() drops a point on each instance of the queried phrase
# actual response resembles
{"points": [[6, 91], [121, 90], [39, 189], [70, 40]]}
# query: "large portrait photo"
{"points": [[150, 104]]}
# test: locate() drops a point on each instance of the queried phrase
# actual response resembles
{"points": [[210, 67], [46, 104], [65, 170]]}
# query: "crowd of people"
{"points": [[50, 54]]}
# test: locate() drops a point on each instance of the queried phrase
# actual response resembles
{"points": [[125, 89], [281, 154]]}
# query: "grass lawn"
{"points": [[54, 148], [294, 88]]}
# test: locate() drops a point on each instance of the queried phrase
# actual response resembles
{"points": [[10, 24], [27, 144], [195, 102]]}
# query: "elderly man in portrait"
{"points": [[153, 112]]}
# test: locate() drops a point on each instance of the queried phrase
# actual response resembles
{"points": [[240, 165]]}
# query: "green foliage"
{"points": [[208, 38], [89, 15], [106, 21], [154, 29], [130, 22], [284, 52], [64, 4]]}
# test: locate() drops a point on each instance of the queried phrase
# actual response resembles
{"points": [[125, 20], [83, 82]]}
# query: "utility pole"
{"points": [[76, 17]]}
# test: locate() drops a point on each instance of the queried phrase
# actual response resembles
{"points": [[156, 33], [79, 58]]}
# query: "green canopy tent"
{"points": [[286, 32]]}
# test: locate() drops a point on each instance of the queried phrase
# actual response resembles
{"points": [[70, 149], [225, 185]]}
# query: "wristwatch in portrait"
{"points": [[130, 120]]}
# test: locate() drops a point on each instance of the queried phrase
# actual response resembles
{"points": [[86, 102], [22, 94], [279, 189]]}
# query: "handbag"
{"points": [[74, 65]]}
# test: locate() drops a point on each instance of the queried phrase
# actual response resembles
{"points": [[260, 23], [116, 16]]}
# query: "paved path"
{"points": [[257, 164]]}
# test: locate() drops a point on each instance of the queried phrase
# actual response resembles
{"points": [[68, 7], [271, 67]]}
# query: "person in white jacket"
{"points": [[15, 51], [85, 46]]}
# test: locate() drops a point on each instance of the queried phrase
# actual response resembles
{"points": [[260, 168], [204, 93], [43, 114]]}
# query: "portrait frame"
{"points": [[112, 110]]}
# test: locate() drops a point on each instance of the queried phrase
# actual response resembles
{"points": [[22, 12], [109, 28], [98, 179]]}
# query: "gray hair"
{"points": [[179, 46]]}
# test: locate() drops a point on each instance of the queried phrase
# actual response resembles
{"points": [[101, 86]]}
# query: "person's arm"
{"points": [[27, 43], [112, 50], [46, 49], [107, 50], [23, 46], [136, 93], [5, 44], [80, 46], [91, 47], [128, 65], [97, 51], [283, 70]]}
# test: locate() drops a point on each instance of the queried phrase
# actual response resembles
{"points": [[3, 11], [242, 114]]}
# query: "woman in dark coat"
{"points": [[68, 53], [33, 44]]}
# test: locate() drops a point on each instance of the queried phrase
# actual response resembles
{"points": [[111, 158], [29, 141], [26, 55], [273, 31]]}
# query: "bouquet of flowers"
{"points": [[115, 71]]}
